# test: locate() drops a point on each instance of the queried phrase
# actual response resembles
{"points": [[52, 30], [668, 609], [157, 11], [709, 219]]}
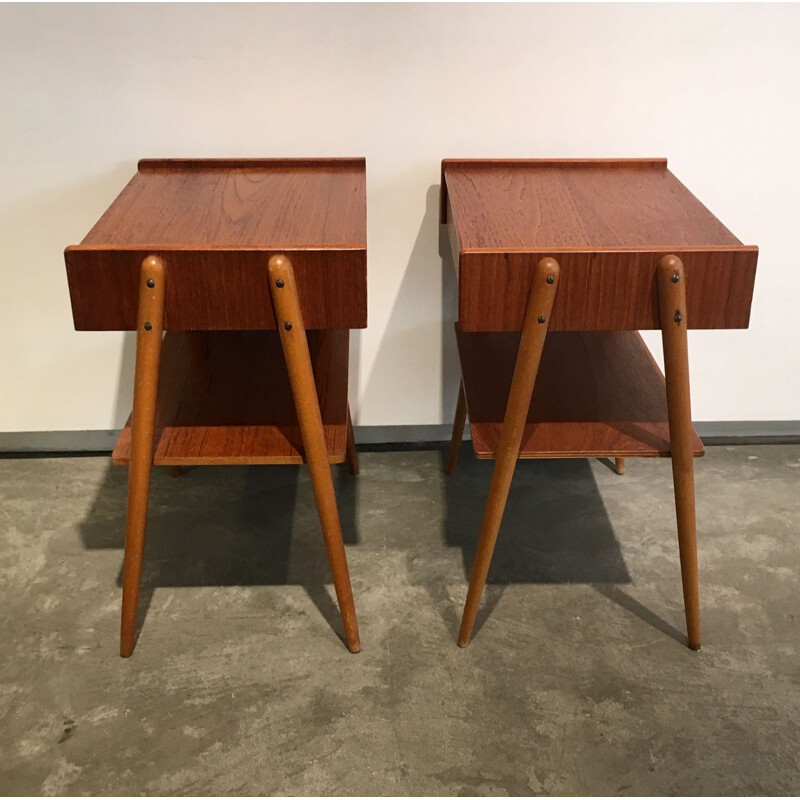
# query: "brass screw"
{"points": [[150, 283], [148, 326], [678, 317], [279, 283], [675, 277], [551, 279], [541, 320], [287, 325]]}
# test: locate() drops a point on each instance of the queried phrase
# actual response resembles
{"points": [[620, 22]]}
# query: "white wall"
{"points": [[87, 90]]}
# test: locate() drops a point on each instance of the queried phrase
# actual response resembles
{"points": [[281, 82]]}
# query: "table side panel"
{"points": [[605, 290], [453, 238], [216, 289]]}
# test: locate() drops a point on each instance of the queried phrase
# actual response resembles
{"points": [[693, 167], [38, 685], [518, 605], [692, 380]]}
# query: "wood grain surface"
{"points": [[149, 343], [224, 204], [671, 289], [224, 398], [300, 368], [217, 289], [605, 290], [541, 204], [596, 394], [215, 223], [607, 223]]}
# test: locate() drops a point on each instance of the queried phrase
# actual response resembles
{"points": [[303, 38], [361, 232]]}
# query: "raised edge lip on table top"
{"points": [[560, 162], [145, 164], [659, 163]]}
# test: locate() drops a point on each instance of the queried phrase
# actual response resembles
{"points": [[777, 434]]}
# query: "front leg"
{"points": [[304, 390], [534, 330], [149, 329], [672, 301]]}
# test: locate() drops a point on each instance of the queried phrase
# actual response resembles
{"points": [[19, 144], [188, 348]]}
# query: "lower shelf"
{"points": [[598, 393], [224, 398]]}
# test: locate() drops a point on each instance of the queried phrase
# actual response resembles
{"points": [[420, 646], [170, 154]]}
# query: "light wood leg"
{"points": [[458, 431], [175, 472], [149, 329], [619, 466], [351, 453], [672, 301], [301, 377], [534, 330]]}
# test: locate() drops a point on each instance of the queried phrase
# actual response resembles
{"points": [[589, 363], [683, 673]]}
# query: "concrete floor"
{"points": [[577, 680]]}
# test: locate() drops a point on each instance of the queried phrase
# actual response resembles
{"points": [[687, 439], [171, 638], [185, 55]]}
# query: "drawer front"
{"points": [[216, 289], [605, 290]]}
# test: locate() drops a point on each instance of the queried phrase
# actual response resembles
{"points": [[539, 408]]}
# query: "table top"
{"points": [[586, 204], [264, 203]]}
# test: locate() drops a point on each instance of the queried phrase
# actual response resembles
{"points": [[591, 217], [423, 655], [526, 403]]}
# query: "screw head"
{"points": [[287, 326], [675, 277], [678, 317], [551, 279], [279, 283], [541, 320], [148, 326], [150, 283]]}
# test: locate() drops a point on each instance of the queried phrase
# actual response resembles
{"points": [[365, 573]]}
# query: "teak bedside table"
{"points": [[236, 259], [579, 255]]}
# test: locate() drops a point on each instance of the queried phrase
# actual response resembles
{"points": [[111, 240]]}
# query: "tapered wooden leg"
{"points": [[351, 453], [301, 377], [149, 328], [458, 431], [534, 330], [672, 301], [619, 466], [175, 472]]}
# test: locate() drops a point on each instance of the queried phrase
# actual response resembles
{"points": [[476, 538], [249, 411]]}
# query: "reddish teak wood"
{"points": [[636, 250], [301, 377], [226, 395], [607, 223], [145, 392], [214, 222]]}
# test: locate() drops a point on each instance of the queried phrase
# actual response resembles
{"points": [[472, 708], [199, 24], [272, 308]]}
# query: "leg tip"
{"points": [[354, 647], [694, 646], [463, 642]]}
